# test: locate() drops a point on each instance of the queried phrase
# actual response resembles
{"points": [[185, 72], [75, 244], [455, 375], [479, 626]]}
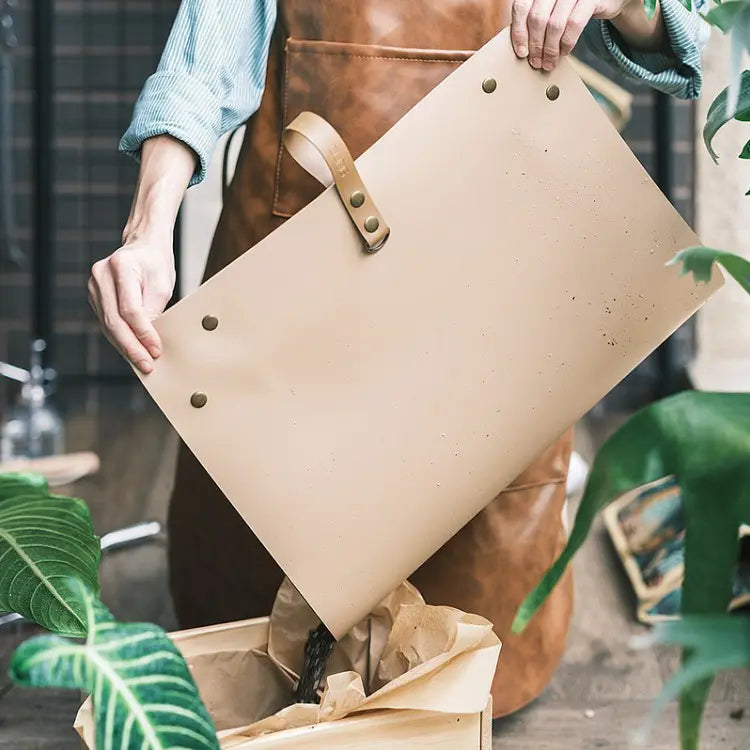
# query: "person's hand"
{"points": [[133, 285], [545, 30], [128, 290]]}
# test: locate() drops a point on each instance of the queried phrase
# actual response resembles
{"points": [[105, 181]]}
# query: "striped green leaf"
{"points": [[13, 485], [144, 697], [44, 540]]}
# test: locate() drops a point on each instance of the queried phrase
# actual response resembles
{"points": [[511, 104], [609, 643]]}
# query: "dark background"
{"points": [[104, 50]]}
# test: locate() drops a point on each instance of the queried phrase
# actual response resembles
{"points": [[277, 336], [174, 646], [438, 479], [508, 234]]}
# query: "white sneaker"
{"points": [[577, 474]]}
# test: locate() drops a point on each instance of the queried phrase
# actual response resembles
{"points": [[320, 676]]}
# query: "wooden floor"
{"points": [[598, 698]]}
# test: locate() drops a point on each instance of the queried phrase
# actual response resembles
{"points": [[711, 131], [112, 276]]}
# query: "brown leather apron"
{"points": [[362, 66]]}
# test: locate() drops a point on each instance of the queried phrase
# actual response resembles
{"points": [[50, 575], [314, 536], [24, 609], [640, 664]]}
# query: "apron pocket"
{"points": [[361, 89]]}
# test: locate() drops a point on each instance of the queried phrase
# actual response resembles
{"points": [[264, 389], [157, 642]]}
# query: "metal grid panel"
{"points": [[103, 51]]}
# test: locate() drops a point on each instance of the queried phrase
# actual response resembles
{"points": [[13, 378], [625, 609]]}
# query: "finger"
{"points": [[130, 303], [115, 328], [558, 22], [519, 33], [156, 296], [579, 17], [537, 25], [93, 293]]}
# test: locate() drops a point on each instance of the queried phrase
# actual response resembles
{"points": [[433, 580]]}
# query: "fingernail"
{"points": [[535, 63], [522, 51], [145, 366], [547, 65], [154, 351]]}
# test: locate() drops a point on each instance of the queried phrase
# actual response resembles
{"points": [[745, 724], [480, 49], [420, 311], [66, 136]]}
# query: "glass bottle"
{"points": [[33, 427]]}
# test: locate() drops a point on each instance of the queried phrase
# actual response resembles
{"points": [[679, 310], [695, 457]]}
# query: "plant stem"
{"points": [[317, 652]]}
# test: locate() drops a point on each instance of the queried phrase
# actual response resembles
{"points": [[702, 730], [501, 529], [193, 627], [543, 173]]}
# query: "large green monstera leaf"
{"points": [[144, 697], [44, 540]]}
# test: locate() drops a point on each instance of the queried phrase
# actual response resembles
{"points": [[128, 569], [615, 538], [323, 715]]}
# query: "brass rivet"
{"points": [[210, 322], [198, 400], [372, 224], [489, 85], [357, 198], [552, 93]]}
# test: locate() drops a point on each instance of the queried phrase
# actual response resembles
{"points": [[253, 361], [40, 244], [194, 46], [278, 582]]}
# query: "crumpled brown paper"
{"points": [[405, 655]]}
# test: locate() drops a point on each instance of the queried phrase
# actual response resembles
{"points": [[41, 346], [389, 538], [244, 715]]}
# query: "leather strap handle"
{"points": [[320, 150]]}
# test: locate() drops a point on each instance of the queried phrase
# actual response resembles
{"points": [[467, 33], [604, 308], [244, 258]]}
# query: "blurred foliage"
{"points": [[702, 439]]}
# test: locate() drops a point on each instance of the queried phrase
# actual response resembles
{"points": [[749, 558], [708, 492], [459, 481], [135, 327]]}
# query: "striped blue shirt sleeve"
{"points": [[210, 77], [678, 73]]}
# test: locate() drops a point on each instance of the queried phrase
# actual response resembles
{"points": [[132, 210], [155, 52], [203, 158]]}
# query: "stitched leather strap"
{"points": [[319, 149]]}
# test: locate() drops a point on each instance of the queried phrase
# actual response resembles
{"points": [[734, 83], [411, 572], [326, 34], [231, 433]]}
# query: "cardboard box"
{"points": [[231, 659]]}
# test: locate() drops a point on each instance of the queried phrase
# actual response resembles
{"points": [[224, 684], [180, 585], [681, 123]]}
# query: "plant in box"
{"points": [[410, 673]]}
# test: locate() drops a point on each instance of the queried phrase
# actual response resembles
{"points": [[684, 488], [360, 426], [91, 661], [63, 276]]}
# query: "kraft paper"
{"points": [[405, 655]]}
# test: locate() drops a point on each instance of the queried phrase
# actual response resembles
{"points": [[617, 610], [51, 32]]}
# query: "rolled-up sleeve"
{"points": [[678, 73], [210, 78]]}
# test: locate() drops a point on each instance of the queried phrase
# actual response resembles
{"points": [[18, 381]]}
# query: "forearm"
{"points": [[210, 77], [639, 31], [673, 68], [167, 165]]}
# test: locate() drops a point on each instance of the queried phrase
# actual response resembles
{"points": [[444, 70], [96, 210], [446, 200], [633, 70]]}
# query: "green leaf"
{"points": [[143, 694], [692, 701], [703, 440], [724, 16], [745, 153], [699, 261], [718, 115], [740, 43], [45, 539], [12, 485], [714, 643]]}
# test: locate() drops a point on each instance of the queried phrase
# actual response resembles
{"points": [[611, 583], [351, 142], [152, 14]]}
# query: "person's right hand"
{"points": [[128, 290], [133, 285]]}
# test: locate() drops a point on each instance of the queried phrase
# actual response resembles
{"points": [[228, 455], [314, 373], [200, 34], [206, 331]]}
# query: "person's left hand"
{"points": [[545, 30]]}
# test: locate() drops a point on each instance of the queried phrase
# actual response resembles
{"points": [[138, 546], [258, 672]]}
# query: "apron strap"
{"points": [[320, 150]]}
